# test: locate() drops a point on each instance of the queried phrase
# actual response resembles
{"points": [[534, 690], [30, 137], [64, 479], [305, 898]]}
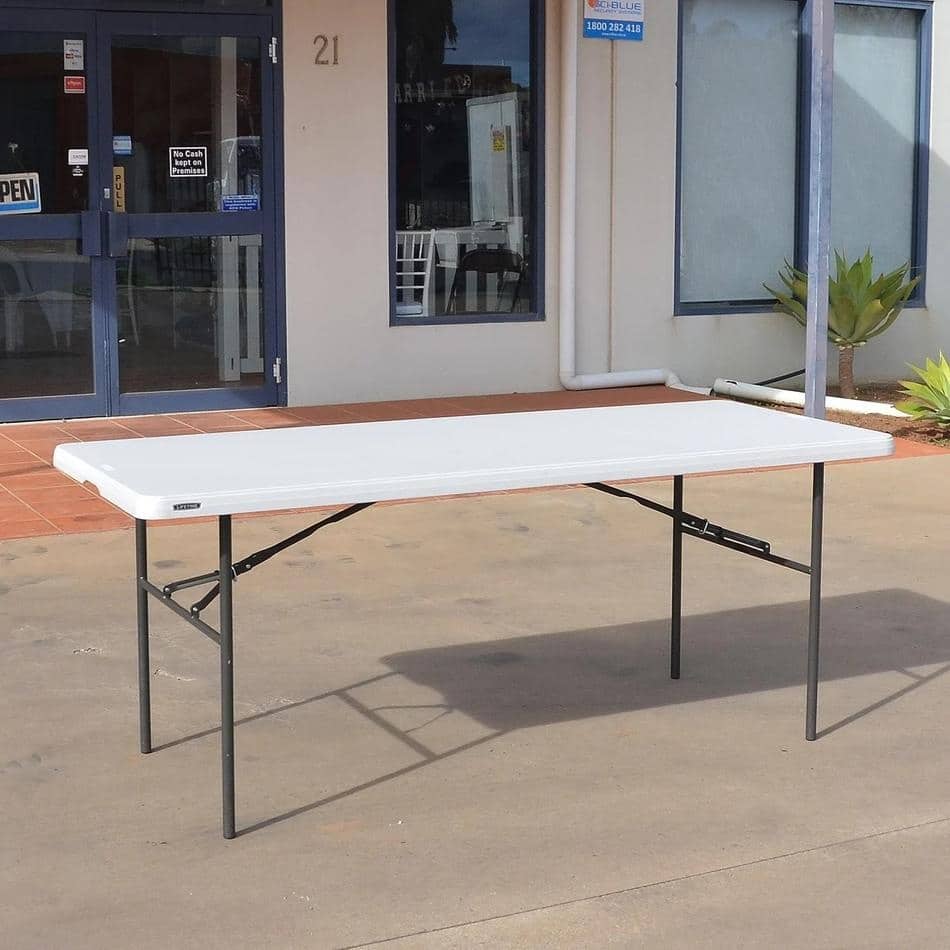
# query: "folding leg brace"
{"points": [[702, 529], [223, 581]]}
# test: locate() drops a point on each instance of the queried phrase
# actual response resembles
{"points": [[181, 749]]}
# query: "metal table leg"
{"points": [[141, 575], [814, 601], [226, 580], [676, 612]]}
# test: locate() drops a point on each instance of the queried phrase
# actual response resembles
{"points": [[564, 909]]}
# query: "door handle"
{"points": [[90, 242], [117, 234]]}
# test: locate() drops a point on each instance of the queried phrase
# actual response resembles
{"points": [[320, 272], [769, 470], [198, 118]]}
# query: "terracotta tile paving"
{"points": [[36, 500]]}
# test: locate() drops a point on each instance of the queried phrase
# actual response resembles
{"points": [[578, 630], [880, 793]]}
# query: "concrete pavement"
{"points": [[459, 731]]}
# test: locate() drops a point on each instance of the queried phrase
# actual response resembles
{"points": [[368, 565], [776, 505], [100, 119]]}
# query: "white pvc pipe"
{"points": [[570, 33], [788, 397]]}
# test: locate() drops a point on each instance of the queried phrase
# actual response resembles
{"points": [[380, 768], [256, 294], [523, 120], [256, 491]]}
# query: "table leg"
{"points": [[141, 574], [226, 579], [676, 612], [814, 601]]}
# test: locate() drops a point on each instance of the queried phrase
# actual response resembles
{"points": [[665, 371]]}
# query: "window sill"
{"points": [[465, 320]]}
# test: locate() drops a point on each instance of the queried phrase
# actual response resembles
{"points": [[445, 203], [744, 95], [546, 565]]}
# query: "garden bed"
{"points": [[904, 428]]}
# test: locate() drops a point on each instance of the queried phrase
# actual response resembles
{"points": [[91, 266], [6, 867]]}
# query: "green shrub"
{"points": [[929, 398], [860, 305]]}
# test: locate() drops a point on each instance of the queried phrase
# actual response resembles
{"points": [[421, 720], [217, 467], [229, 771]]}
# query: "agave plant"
{"points": [[929, 398], [860, 306]]}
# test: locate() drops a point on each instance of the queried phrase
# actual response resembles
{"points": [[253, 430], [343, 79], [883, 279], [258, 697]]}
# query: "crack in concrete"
{"points": [[709, 872]]}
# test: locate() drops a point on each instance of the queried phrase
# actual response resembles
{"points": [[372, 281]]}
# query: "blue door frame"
{"points": [[103, 233]]}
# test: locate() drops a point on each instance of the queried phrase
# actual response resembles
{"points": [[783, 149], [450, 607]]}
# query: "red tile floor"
{"points": [[37, 500]]}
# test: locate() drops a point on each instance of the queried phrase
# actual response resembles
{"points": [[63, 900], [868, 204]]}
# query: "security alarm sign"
{"points": [[188, 162], [614, 19]]}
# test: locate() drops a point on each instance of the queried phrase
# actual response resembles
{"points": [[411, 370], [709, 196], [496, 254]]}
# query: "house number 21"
{"points": [[328, 50]]}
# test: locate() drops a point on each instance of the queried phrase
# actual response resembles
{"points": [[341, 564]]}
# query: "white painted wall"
{"points": [[340, 345]]}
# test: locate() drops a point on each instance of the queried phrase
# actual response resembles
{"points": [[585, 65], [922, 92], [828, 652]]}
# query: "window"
{"points": [[466, 166], [741, 207]]}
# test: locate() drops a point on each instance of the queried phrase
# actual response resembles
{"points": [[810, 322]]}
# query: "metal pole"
{"points": [[226, 579], [819, 25], [141, 596], [676, 612], [814, 601]]}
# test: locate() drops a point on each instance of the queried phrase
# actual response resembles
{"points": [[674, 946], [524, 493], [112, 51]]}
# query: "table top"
{"points": [[280, 469]]}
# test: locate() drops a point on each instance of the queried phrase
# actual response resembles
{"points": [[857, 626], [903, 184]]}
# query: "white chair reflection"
{"points": [[415, 265], [19, 288]]}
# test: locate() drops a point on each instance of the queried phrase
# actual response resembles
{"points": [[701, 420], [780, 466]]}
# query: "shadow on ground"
{"points": [[530, 681]]}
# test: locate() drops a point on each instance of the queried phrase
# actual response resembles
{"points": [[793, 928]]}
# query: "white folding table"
{"points": [[359, 464]]}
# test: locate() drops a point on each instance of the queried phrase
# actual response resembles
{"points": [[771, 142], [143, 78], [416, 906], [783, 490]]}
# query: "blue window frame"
{"points": [[466, 162], [761, 209]]}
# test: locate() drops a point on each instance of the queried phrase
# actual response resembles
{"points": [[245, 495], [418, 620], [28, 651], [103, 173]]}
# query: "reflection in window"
{"points": [[874, 158], [45, 319], [187, 122], [191, 314], [741, 123], [465, 144], [738, 159]]}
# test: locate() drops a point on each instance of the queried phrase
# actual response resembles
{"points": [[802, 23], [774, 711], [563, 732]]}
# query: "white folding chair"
{"points": [[415, 265]]}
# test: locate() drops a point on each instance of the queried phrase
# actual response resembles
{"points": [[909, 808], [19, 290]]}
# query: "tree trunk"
{"points": [[846, 371]]}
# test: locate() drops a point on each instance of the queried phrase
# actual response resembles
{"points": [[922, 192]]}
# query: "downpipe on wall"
{"points": [[570, 39]]}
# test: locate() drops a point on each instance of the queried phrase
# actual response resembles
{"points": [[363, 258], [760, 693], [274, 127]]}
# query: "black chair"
{"points": [[506, 266]]}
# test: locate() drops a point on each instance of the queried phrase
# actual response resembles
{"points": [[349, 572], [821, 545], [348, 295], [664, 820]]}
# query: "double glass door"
{"points": [[137, 214]]}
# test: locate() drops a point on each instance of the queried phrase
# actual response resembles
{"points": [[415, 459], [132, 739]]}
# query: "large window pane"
{"points": [[739, 102], [465, 141], [877, 59]]}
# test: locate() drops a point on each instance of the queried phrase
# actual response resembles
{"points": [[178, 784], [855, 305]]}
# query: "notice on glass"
{"points": [[74, 85], [20, 193], [74, 56], [118, 188], [188, 162], [613, 19]]}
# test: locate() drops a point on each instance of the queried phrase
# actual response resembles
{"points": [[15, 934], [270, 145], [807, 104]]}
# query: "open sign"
{"points": [[20, 193]]}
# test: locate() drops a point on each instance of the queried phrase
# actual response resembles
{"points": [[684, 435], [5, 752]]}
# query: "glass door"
{"points": [[188, 160], [137, 214], [52, 362]]}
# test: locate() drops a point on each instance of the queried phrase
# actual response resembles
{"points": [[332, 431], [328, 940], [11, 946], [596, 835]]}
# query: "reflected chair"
{"points": [[56, 305], [415, 266], [486, 267]]}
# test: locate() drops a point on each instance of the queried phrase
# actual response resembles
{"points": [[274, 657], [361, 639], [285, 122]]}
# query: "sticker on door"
{"points": [[188, 162], [74, 55], [20, 193]]}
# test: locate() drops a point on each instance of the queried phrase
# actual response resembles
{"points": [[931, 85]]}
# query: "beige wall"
{"points": [[340, 344]]}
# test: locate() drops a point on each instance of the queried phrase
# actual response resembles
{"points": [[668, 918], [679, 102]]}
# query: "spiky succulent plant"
{"points": [[930, 397], [860, 305]]}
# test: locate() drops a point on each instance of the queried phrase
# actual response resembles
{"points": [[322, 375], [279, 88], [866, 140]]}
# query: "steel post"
{"points": [[676, 612], [814, 602], [226, 579], [145, 698]]}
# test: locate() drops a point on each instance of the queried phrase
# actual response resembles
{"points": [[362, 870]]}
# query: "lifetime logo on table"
{"points": [[188, 162], [20, 193], [614, 19]]}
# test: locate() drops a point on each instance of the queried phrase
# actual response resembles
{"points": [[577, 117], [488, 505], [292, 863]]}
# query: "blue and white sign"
{"points": [[613, 19], [20, 193], [241, 203], [121, 144]]}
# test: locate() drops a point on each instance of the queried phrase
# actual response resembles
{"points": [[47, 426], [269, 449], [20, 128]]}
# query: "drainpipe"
{"points": [[568, 287]]}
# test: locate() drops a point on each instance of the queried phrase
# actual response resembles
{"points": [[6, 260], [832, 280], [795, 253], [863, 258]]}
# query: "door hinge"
{"points": [[272, 49], [278, 374]]}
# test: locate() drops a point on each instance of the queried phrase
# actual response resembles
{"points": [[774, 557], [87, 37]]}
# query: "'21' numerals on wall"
{"points": [[328, 50]]}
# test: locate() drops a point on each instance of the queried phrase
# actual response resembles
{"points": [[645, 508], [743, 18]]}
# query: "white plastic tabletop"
{"points": [[279, 469]]}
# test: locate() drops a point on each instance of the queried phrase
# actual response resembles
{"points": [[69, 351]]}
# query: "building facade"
{"points": [[219, 204]]}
